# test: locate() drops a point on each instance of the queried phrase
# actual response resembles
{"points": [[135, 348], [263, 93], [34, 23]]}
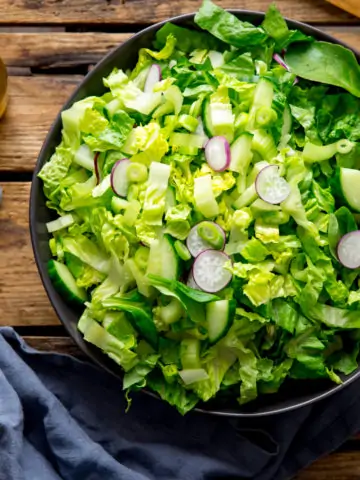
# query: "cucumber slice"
{"points": [[219, 317], [163, 260], [206, 117], [65, 283], [349, 184]]}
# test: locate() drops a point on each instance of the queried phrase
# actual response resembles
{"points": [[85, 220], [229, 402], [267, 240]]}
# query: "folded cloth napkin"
{"points": [[61, 418]]}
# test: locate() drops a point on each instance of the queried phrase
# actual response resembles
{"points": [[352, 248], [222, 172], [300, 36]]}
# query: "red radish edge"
{"points": [[153, 77], [217, 252], [340, 255], [220, 166], [278, 59], [208, 247], [120, 190]]}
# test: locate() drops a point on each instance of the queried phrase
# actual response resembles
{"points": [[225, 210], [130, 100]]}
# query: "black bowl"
{"points": [[293, 394]]}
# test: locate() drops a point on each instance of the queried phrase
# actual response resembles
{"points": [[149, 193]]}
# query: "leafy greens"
{"points": [[291, 310]]}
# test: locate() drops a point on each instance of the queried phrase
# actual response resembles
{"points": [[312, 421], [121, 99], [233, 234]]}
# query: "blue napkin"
{"points": [[61, 418]]}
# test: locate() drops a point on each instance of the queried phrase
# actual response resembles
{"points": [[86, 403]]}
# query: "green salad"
{"points": [[207, 207]]}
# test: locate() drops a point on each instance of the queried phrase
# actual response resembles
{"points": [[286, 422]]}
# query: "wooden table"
{"points": [[48, 46]]}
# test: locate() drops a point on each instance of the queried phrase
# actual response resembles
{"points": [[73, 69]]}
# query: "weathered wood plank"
{"points": [[65, 49], [36, 100], [23, 300], [33, 105], [56, 50], [338, 466], [349, 35], [54, 344], [149, 11]]}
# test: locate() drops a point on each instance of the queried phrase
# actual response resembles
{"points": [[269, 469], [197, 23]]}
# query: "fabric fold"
{"points": [[62, 418]]}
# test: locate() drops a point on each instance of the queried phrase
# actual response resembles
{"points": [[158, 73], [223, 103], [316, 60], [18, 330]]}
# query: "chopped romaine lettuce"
{"points": [[297, 308]]}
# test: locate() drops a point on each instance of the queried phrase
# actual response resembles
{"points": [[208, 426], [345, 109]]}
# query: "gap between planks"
{"points": [[120, 12], [44, 50]]}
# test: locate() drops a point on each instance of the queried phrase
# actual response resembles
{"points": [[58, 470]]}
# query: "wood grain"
{"points": [[33, 105], [44, 51], [337, 466], [138, 12], [23, 300], [56, 50], [54, 344], [349, 35], [36, 100]]}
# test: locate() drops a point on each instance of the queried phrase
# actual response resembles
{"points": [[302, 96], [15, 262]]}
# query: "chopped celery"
{"points": [[85, 157], [188, 122], [60, 223], [186, 140], [265, 116], [174, 96], [241, 154], [263, 98], [154, 203], [118, 204], [192, 151], [210, 233], [136, 172], [172, 312], [264, 144], [205, 201], [246, 198], [318, 153], [132, 212], [182, 250]]}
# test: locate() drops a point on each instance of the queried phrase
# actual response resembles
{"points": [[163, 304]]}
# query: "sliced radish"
{"points": [[196, 244], [153, 77], [348, 250], [270, 186], [209, 272], [217, 153], [191, 282], [119, 180], [278, 59]]}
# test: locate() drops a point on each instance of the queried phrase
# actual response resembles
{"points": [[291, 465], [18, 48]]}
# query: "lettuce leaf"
{"points": [[228, 28]]}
